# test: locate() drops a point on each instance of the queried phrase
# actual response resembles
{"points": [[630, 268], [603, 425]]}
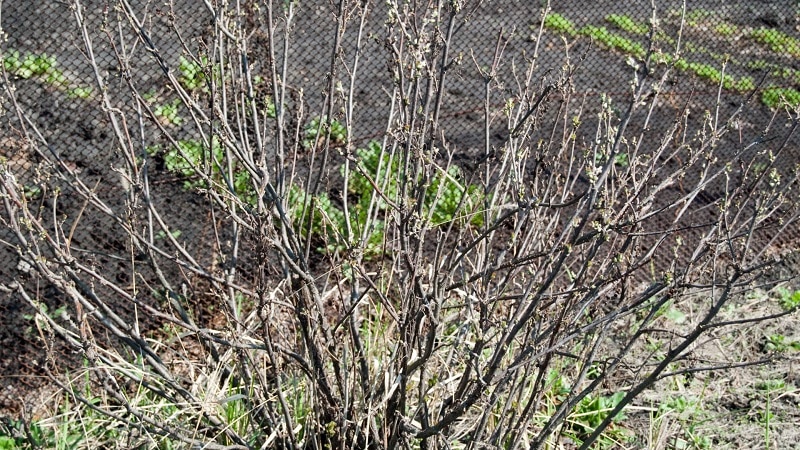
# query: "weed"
{"points": [[16, 434], [444, 198], [779, 97], [270, 108], [175, 234], [559, 24], [621, 159], [31, 192], [44, 310], [318, 216], [626, 23]]}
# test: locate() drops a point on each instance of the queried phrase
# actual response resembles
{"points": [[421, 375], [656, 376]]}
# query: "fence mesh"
{"points": [[735, 46]]}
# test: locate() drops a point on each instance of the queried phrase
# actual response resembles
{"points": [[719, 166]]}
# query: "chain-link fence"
{"points": [[741, 49]]}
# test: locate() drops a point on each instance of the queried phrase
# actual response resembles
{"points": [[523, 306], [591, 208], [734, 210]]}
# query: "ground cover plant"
{"points": [[397, 293]]}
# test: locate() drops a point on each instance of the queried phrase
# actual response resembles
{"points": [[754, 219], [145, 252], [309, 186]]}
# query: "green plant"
{"points": [[317, 215], [80, 92], [613, 40], [270, 108], [559, 23], [193, 74], [779, 97], [726, 29], [168, 112], [789, 299], [621, 159], [317, 128], [590, 413], [777, 41], [626, 23], [712, 74], [16, 434], [32, 65], [767, 416], [745, 85], [376, 171], [44, 310], [780, 344], [696, 16], [192, 155]]}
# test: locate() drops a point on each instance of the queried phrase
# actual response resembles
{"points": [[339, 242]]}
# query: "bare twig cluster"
{"points": [[423, 312]]}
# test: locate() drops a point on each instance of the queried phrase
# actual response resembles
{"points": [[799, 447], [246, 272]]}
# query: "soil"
{"points": [[78, 132]]}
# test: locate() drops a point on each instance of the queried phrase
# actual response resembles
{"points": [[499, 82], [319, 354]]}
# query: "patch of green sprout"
{"points": [[626, 23], [322, 218], [31, 192], [446, 193], [745, 84], [175, 234], [779, 343], [771, 385], [559, 24], [789, 300], [662, 37], [269, 110], [193, 76], [80, 92], [779, 97], [777, 41], [192, 155], [681, 64], [696, 16], [712, 74], [590, 413], [787, 73], [757, 64], [376, 168], [726, 29], [168, 112], [613, 41], [15, 434], [317, 129], [32, 65]]}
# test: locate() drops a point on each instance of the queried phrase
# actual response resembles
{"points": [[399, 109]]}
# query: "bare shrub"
{"points": [[380, 295]]}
